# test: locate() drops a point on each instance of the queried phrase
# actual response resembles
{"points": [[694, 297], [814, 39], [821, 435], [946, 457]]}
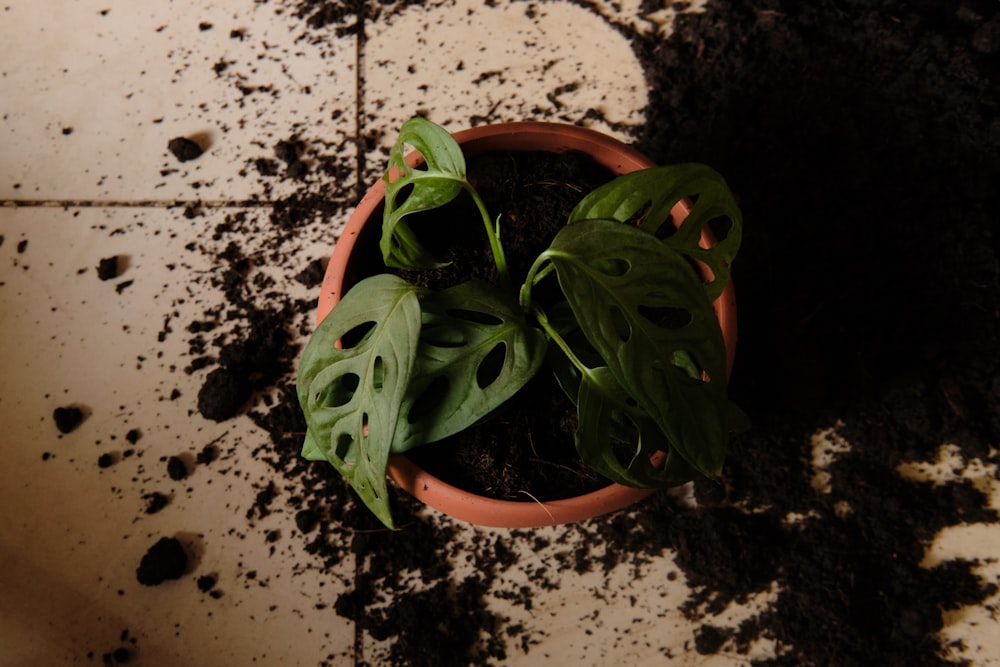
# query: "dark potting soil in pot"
{"points": [[525, 450]]}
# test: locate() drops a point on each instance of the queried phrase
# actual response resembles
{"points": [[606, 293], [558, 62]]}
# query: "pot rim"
{"points": [[433, 491]]}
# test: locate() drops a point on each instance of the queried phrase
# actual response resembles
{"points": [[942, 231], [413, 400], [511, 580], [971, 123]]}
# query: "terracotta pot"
{"points": [[455, 502]]}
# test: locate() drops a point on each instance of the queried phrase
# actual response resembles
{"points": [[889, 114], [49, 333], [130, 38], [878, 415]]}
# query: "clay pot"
{"points": [[455, 502]]}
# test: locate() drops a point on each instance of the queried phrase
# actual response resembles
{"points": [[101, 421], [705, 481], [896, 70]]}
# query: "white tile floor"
{"points": [[90, 94]]}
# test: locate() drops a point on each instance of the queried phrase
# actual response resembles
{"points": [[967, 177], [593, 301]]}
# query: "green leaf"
{"points": [[601, 423], [476, 351], [652, 193], [641, 306], [351, 394], [608, 421], [411, 189], [310, 449], [594, 432]]}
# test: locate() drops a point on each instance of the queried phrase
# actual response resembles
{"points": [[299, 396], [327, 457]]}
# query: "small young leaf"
{"points": [[351, 395], [690, 412], [656, 191], [411, 189], [476, 351]]}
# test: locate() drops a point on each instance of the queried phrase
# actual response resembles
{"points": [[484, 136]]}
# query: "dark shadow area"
{"points": [[862, 141]]}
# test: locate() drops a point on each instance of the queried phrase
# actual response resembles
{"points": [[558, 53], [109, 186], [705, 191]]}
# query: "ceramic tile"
{"points": [[465, 62], [473, 61], [631, 612], [91, 99], [75, 505], [970, 630]]}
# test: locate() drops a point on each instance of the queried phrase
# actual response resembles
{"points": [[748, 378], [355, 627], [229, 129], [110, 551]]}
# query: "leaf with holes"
{"points": [[476, 351], [351, 394], [638, 305], [652, 193], [605, 428], [411, 189], [608, 422]]}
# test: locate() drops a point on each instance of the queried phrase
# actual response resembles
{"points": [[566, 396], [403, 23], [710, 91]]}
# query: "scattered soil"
{"points": [[206, 582], [107, 268], [163, 561], [68, 418], [184, 149], [312, 275], [176, 468], [155, 502]]}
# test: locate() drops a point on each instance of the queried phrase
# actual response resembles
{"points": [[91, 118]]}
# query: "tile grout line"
{"points": [[359, 99]]}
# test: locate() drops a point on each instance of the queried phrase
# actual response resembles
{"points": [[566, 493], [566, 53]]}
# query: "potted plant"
{"points": [[636, 321]]}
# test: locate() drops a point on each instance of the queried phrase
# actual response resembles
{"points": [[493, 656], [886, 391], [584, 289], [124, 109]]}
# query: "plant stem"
{"points": [[543, 321], [493, 234], [538, 271]]}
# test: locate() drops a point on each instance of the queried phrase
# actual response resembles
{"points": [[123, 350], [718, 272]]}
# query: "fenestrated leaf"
{"points": [[593, 435], [654, 192], [602, 422], [410, 189], [608, 420], [351, 395], [476, 351], [617, 279]]}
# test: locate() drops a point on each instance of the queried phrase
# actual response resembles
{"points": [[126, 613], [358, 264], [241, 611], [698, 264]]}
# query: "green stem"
{"points": [[586, 373], [562, 344], [492, 233], [538, 271]]}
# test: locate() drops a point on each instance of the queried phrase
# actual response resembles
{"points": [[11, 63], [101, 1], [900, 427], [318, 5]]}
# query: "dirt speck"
{"points": [[163, 561], [184, 149], [107, 268], [68, 418]]}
